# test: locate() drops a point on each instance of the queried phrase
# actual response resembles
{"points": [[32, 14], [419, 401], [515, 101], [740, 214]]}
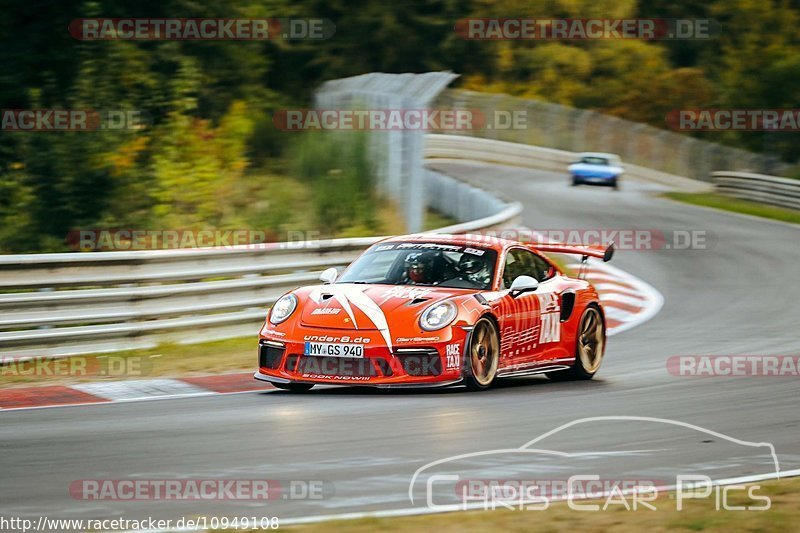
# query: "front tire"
{"points": [[575, 181], [294, 387], [483, 355], [589, 348]]}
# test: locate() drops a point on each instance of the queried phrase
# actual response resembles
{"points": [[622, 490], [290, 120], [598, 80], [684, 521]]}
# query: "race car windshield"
{"points": [[424, 263], [594, 160]]}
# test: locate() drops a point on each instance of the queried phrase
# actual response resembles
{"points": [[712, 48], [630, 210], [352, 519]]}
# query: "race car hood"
{"points": [[355, 306]]}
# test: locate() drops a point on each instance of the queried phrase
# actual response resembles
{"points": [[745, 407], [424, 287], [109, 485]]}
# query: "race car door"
{"points": [[549, 294], [520, 321]]}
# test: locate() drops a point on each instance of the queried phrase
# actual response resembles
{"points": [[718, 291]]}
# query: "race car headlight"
{"points": [[437, 316], [284, 307]]}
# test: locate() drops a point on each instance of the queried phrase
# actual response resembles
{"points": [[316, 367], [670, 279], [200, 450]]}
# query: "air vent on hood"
{"points": [[327, 296], [417, 301]]}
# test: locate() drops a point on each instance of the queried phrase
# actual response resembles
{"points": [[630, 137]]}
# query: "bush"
{"points": [[336, 168]]}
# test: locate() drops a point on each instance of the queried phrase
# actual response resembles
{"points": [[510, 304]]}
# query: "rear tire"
{"points": [[589, 348], [482, 355], [294, 387], [615, 185], [575, 181]]}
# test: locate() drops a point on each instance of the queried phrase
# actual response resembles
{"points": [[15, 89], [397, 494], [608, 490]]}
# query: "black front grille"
{"points": [[269, 356], [337, 366], [384, 366], [422, 362]]}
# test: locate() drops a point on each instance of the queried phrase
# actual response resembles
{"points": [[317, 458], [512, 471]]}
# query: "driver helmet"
{"points": [[421, 267], [470, 264]]}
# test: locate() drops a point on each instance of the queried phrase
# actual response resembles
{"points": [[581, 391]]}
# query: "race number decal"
{"points": [[550, 314]]}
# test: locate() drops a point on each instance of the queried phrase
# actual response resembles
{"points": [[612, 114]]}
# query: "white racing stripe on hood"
{"points": [[368, 306], [347, 294], [333, 290]]}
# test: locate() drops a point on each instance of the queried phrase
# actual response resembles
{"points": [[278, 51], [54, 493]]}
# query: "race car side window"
{"points": [[509, 269], [520, 262], [543, 269]]}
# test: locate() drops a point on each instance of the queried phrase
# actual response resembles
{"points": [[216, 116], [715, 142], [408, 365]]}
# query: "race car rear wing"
{"points": [[586, 250]]}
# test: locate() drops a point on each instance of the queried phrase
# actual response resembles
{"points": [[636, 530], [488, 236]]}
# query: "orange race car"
{"points": [[435, 310]]}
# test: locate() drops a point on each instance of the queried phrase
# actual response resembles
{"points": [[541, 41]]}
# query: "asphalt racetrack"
{"points": [[739, 296]]}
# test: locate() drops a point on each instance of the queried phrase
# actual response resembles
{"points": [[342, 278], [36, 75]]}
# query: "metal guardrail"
{"points": [[580, 130], [782, 192], [76, 303]]}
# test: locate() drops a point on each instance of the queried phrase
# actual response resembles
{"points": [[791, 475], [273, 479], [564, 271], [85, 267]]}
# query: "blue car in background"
{"points": [[596, 168]]}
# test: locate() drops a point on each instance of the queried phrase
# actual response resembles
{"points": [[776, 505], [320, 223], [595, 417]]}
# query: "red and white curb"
{"points": [[103, 392], [627, 300]]}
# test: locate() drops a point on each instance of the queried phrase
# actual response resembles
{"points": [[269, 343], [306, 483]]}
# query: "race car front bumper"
{"points": [[432, 364]]}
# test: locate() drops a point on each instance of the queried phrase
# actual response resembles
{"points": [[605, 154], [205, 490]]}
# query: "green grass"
{"points": [[278, 204], [229, 355], [697, 515], [434, 219], [719, 201], [273, 202]]}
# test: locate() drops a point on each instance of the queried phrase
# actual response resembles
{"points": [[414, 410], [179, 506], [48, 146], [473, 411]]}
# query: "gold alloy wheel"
{"points": [[484, 349], [591, 341]]}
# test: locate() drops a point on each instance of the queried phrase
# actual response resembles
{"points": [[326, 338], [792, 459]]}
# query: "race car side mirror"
{"points": [[523, 284], [329, 275]]}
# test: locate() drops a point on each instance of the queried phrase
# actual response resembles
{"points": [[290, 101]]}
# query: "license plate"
{"points": [[334, 349]]}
